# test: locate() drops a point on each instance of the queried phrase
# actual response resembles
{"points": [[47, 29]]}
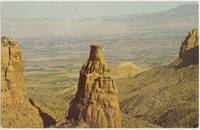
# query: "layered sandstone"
{"points": [[189, 51], [17, 111], [96, 100]]}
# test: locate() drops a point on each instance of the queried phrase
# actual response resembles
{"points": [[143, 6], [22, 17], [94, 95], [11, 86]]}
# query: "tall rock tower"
{"points": [[189, 51], [13, 88], [96, 100], [17, 112]]}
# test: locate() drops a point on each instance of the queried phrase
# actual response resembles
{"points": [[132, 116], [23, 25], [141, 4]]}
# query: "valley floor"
{"points": [[159, 97]]}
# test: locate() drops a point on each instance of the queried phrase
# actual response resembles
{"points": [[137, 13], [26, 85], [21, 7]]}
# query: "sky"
{"points": [[80, 10]]}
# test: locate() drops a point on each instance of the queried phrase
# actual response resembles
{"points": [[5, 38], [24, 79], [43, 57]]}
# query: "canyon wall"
{"points": [[17, 112]]}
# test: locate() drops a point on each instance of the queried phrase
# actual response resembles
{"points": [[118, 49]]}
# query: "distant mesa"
{"points": [[189, 51], [17, 111], [96, 101]]}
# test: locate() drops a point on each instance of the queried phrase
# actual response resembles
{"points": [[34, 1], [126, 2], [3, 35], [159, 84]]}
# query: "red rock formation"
{"points": [[17, 111], [96, 100]]}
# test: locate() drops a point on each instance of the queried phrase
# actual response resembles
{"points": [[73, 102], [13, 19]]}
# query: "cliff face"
{"points": [[189, 51], [17, 111], [13, 88], [96, 100]]}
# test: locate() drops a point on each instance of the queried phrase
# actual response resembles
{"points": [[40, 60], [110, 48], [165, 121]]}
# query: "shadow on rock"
{"points": [[190, 57], [47, 119]]}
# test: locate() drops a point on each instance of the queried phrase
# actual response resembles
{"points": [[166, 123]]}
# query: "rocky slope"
{"points": [[96, 100], [165, 96], [16, 109]]}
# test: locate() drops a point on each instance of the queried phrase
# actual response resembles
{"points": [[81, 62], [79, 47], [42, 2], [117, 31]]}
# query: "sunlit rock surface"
{"points": [[16, 109], [96, 100]]}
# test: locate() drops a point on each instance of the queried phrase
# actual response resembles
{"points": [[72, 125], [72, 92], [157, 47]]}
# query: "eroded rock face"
{"points": [[189, 51], [13, 88], [17, 111], [96, 100]]}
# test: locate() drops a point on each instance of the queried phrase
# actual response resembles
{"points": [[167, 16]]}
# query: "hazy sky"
{"points": [[78, 10]]}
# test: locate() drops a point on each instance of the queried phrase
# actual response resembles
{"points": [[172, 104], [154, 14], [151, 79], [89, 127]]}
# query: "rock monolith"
{"points": [[17, 112], [189, 51], [96, 100], [13, 88]]}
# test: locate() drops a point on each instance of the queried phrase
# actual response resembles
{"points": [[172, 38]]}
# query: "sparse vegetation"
{"points": [[152, 92], [162, 96]]}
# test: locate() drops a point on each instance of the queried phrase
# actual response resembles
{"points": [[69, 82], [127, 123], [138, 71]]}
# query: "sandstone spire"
{"points": [[96, 61], [189, 48], [16, 109], [96, 100]]}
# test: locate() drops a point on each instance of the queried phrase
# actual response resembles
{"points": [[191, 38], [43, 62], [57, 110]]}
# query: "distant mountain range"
{"points": [[183, 17]]}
